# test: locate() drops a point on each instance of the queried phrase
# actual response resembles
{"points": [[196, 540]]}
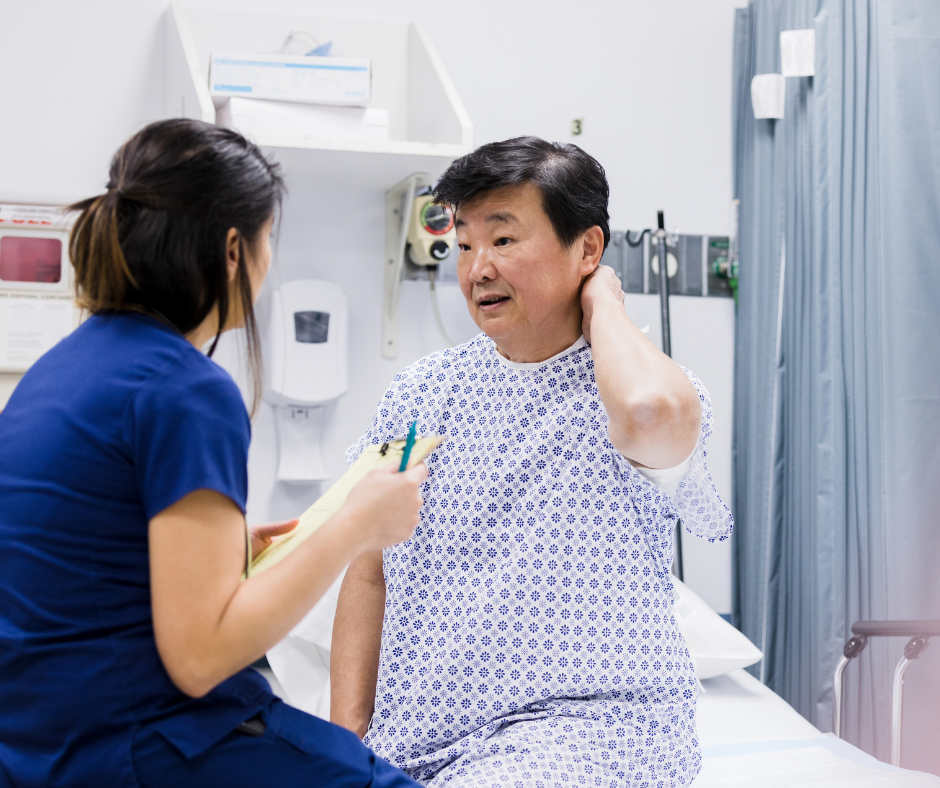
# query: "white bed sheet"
{"points": [[752, 737], [737, 708]]}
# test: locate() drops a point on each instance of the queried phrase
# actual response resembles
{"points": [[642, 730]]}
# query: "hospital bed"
{"points": [[750, 736]]}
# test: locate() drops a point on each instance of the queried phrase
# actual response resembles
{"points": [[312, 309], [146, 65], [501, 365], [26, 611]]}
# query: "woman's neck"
{"points": [[205, 331]]}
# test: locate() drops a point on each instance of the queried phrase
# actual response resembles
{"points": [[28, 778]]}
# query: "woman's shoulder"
{"points": [[150, 361], [153, 351], [190, 377]]}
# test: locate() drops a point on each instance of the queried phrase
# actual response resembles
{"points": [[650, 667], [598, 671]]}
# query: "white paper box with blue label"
{"points": [[303, 78]]}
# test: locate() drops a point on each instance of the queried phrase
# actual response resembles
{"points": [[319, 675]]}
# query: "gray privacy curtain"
{"points": [[837, 380]]}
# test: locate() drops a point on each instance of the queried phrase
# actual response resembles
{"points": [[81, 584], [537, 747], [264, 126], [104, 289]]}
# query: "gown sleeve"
{"points": [[697, 501]]}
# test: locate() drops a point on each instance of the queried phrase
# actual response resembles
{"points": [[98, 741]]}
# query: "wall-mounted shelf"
{"points": [[428, 125]]}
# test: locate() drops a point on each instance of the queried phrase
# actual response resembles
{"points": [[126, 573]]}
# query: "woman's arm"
{"points": [[208, 623], [357, 640]]}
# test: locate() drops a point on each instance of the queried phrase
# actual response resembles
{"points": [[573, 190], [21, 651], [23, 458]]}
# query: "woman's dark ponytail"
{"points": [[95, 250], [155, 242]]}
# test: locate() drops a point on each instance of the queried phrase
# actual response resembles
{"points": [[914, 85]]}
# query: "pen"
{"points": [[409, 445]]}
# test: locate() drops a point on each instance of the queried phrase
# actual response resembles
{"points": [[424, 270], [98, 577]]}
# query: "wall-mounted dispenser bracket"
{"points": [[298, 436], [398, 204]]}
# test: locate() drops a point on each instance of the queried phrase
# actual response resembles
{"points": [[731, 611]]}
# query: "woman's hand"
{"points": [[263, 535], [385, 505], [602, 284], [208, 622]]}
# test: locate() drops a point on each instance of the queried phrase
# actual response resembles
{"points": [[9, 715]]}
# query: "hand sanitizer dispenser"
{"points": [[305, 364]]}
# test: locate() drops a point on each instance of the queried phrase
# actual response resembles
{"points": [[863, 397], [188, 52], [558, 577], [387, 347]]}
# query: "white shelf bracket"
{"points": [[398, 203], [186, 90]]}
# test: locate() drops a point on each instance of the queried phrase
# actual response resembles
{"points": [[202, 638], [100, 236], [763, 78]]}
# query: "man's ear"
{"points": [[232, 239], [592, 249]]}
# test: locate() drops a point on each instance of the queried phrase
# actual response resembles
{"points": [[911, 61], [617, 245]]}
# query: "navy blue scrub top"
{"points": [[117, 422]]}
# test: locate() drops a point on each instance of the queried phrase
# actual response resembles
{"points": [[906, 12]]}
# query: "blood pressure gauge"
{"points": [[431, 233]]}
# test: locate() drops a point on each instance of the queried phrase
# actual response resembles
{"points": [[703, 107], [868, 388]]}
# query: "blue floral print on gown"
{"points": [[528, 637]]}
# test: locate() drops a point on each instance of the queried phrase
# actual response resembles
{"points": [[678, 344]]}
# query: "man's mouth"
{"points": [[491, 301]]}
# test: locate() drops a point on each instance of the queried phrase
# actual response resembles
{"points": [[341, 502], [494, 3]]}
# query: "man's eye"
{"points": [[463, 247], [503, 241]]}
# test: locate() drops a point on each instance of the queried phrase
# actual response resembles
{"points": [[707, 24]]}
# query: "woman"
{"points": [[125, 626]]}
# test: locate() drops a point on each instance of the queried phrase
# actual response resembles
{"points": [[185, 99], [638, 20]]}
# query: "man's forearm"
{"points": [[357, 641], [653, 407]]}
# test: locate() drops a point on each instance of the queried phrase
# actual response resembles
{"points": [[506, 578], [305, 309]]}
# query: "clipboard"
{"points": [[375, 456]]}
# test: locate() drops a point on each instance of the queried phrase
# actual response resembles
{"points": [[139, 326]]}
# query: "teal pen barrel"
{"points": [[409, 445]]}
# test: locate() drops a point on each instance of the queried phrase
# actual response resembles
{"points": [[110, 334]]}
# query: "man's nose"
{"points": [[482, 268]]}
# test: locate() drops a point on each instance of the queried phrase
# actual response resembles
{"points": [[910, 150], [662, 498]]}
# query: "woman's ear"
{"points": [[232, 244]]}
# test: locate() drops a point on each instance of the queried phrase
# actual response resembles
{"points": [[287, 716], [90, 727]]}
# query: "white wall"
{"points": [[652, 81]]}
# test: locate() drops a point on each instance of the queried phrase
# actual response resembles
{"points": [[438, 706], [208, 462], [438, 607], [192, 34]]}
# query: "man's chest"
{"points": [[525, 451], [527, 484]]}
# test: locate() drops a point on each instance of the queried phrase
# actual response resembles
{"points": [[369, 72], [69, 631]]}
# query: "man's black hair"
{"points": [[573, 184]]}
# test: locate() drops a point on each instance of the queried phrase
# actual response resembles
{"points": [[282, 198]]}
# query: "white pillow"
{"points": [[716, 646]]}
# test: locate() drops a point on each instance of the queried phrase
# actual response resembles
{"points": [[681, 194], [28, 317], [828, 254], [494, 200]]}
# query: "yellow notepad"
{"points": [[330, 502]]}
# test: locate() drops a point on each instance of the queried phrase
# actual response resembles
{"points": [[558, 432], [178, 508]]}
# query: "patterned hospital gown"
{"points": [[528, 638]]}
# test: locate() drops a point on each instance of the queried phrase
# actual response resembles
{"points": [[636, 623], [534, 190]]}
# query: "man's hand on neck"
{"points": [[602, 288]]}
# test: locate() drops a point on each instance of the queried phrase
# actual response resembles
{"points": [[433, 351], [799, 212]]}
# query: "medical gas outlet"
{"points": [[37, 292], [431, 232], [306, 368]]}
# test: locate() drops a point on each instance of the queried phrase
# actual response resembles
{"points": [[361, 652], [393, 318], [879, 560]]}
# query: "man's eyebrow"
{"points": [[500, 217]]}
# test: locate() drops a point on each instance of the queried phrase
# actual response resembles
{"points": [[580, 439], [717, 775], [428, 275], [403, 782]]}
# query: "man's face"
{"points": [[519, 280]]}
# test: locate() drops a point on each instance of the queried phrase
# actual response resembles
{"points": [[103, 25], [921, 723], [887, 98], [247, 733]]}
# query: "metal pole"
{"points": [[667, 349], [912, 651], [664, 284], [897, 706], [852, 649], [837, 697]]}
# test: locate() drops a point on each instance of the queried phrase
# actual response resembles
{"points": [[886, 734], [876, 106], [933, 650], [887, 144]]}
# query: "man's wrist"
{"points": [[604, 304]]}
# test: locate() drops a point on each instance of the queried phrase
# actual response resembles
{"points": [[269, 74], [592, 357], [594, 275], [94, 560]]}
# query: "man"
{"points": [[524, 635]]}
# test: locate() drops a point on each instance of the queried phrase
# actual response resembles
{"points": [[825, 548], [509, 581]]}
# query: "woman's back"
{"points": [[126, 624], [116, 423]]}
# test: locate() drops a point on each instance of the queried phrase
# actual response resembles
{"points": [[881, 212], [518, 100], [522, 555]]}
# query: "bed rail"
{"points": [[919, 633]]}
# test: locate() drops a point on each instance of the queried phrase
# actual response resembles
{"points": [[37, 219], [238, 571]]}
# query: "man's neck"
{"points": [[540, 345]]}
